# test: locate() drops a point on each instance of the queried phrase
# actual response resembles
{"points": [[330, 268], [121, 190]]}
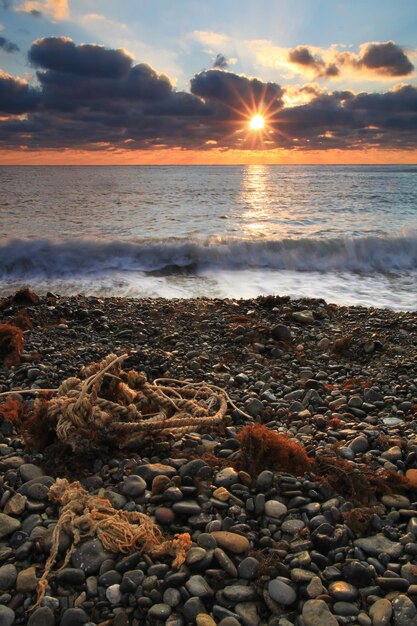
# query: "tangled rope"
{"points": [[110, 406], [84, 515]]}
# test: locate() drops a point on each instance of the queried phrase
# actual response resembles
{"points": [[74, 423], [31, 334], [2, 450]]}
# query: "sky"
{"points": [[180, 81]]}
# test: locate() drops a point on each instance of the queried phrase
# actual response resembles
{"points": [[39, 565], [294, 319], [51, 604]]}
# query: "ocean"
{"points": [[347, 234]]}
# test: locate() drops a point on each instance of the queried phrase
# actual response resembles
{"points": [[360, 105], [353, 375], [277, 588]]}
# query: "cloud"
{"points": [[374, 60], [16, 96], [386, 58], [220, 62], [90, 97], [8, 46], [57, 9], [62, 55]]}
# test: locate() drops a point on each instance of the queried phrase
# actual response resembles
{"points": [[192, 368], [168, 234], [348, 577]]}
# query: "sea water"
{"points": [[347, 234]]}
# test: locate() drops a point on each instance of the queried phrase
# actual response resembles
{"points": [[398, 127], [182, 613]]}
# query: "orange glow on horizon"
{"points": [[214, 156]]}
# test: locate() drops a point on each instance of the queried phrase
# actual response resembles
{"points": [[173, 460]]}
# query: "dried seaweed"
{"points": [[22, 297], [262, 448], [11, 344]]}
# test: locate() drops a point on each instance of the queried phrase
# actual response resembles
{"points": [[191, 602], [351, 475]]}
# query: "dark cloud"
{"points": [[77, 104], [16, 96], [386, 58], [62, 55], [8, 46], [220, 62], [234, 96], [35, 13], [301, 55]]}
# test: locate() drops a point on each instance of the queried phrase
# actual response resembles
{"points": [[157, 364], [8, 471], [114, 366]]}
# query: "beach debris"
{"points": [[84, 515], [11, 344], [112, 407], [22, 297]]}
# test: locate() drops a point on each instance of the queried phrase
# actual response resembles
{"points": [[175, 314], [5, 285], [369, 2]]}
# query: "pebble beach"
{"points": [[268, 549]]}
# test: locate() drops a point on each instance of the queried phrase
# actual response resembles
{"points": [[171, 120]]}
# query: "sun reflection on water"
{"points": [[255, 196]]}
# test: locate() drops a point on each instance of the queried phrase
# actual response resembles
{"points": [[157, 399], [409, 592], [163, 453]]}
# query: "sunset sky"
{"points": [[180, 81]]}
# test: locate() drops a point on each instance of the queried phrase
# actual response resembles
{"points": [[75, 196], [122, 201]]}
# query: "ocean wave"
{"points": [[46, 258]]}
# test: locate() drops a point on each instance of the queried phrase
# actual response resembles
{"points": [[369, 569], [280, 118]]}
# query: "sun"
{"points": [[257, 122]]}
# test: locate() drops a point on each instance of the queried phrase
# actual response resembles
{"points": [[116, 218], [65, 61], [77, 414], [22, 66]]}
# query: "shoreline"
{"points": [[337, 378]]}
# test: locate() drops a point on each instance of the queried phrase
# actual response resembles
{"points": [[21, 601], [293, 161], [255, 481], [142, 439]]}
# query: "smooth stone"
{"points": [[358, 573], [29, 471], [395, 501], [26, 581], [172, 597], [359, 444], [392, 454], [226, 477], [345, 609], [405, 611], [74, 617], [345, 592], [315, 587], [193, 607], [381, 612], [203, 619], [303, 317], [16, 505], [149, 471], [71, 576], [225, 562], [264, 481], [239, 593], [232, 542], [248, 567], [280, 332], [317, 613], [133, 486], [411, 476], [8, 525], [186, 507], [198, 586], [6, 616], [248, 613], [160, 611], [281, 592], [292, 526], [113, 594], [43, 616], [89, 556], [377, 544], [8, 574], [274, 508], [254, 407]]}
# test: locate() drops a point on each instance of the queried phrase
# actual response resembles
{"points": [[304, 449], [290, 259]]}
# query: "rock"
{"points": [[359, 444], [6, 616], [199, 587], [405, 611], [186, 507], [232, 542], [89, 556], [26, 581], [392, 454], [274, 508], [248, 567], [380, 612], [281, 592], [160, 611], [303, 317], [133, 486], [317, 613], [16, 505], [377, 544], [203, 619], [28, 471], [150, 470], [71, 576], [343, 591], [8, 525], [193, 607], [395, 501], [254, 407], [43, 616], [280, 332], [411, 476], [239, 593], [248, 614], [315, 587], [226, 477], [113, 594], [8, 574], [74, 617]]}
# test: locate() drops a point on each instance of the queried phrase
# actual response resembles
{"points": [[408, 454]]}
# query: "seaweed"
{"points": [[262, 448], [22, 297], [11, 344], [22, 320]]}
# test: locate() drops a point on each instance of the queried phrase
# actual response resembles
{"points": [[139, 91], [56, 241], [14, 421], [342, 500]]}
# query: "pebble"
{"points": [[89, 556], [6, 616], [8, 525], [133, 486], [274, 508], [381, 612], [204, 620], [317, 613], [405, 611], [74, 617], [231, 542], [43, 616], [8, 574], [281, 592], [379, 543]]}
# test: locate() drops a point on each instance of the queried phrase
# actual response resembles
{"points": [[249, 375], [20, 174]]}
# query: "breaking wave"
{"points": [[22, 259]]}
